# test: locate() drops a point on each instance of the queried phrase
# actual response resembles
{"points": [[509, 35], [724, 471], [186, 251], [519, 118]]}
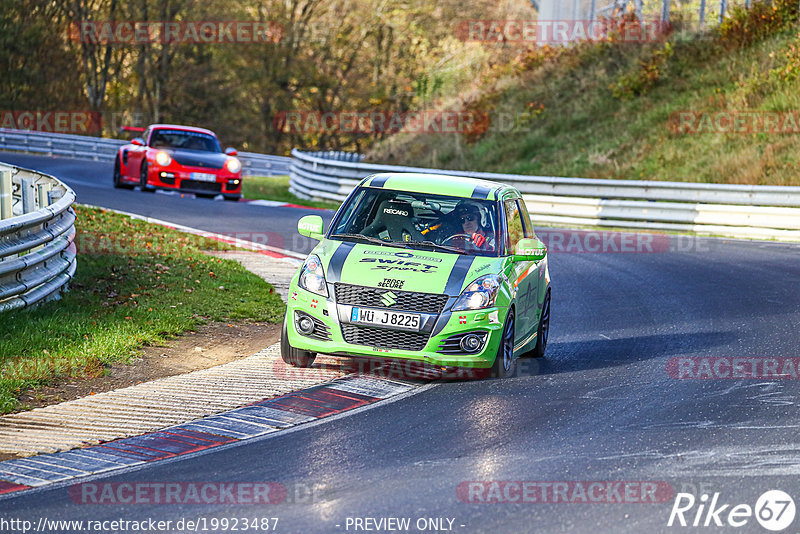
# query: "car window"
{"points": [[470, 225], [163, 138], [516, 228], [527, 225]]}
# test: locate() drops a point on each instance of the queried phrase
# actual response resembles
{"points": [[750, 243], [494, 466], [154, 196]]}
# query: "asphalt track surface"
{"points": [[601, 406]]}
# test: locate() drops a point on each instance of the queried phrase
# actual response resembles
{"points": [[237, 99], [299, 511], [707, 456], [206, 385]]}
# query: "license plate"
{"points": [[204, 177], [389, 319]]}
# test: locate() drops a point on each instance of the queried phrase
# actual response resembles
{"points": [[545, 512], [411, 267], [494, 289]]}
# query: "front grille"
{"points": [[387, 339], [196, 185], [406, 300], [452, 345], [321, 330]]}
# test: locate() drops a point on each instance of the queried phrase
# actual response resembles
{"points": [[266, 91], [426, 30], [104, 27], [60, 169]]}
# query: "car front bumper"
{"points": [[330, 324], [180, 178]]}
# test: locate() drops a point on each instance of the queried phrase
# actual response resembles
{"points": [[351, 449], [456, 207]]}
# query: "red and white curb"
{"points": [[278, 204], [268, 203], [238, 425]]}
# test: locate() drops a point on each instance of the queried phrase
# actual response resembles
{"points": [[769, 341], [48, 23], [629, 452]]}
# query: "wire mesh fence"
{"points": [[701, 13]]}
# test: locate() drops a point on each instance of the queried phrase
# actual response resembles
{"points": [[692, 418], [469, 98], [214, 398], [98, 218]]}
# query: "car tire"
{"points": [[544, 328], [292, 356], [504, 361], [118, 176], [143, 178], [233, 198]]}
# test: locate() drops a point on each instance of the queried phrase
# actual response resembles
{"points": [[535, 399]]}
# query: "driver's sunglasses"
{"points": [[468, 218]]}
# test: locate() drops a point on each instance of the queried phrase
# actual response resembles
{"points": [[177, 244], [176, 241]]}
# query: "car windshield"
{"points": [[184, 139], [419, 220]]}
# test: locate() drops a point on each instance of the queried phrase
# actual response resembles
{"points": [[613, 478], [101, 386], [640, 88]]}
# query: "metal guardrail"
{"points": [[101, 149], [767, 212], [37, 234]]}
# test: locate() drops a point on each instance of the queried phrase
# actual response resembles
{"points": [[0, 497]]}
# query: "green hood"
{"points": [[403, 269]]}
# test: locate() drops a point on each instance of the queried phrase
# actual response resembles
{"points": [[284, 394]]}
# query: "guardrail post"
{"points": [[41, 195], [6, 188], [28, 194]]}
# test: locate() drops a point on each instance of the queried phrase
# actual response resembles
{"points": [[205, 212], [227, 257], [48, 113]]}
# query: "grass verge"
{"points": [[136, 284], [277, 188], [609, 110]]}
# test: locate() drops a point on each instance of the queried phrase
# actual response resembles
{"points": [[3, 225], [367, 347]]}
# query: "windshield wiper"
{"points": [[370, 239], [438, 246]]}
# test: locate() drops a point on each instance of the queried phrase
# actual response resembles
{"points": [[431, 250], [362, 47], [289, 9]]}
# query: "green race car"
{"points": [[438, 270]]}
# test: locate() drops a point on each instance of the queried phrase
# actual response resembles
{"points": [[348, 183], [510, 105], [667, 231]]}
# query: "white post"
{"points": [[702, 13], [6, 188], [723, 6], [28, 194], [665, 9], [41, 195]]}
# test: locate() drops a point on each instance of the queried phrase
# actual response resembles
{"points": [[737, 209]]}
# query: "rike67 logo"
{"points": [[774, 510]]}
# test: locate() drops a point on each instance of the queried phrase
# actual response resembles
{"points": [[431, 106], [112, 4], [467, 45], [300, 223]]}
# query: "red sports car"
{"points": [[179, 157]]}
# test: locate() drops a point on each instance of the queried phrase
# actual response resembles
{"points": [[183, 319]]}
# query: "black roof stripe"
{"points": [[481, 192], [380, 181]]}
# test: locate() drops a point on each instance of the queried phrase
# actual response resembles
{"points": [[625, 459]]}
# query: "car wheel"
{"points": [[143, 179], [505, 352], [292, 356], [233, 198], [544, 328], [117, 182]]}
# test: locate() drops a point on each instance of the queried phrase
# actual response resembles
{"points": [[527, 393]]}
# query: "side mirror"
{"points": [[530, 250], [311, 226], [138, 141], [231, 151]]}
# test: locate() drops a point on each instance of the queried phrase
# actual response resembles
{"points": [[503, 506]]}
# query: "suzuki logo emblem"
{"points": [[389, 299]]}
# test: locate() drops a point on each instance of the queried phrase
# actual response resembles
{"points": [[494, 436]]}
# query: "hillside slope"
{"points": [[612, 109]]}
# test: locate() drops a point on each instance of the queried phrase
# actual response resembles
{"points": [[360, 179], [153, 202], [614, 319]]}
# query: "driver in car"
{"points": [[468, 216]]}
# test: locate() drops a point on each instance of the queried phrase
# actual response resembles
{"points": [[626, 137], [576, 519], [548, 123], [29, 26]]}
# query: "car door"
{"points": [[524, 274], [541, 266], [136, 155]]}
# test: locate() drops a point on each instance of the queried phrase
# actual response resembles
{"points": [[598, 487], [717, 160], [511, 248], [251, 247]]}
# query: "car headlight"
{"points": [[233, 165], [163, 159], [312, 278], [480, 294]]}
